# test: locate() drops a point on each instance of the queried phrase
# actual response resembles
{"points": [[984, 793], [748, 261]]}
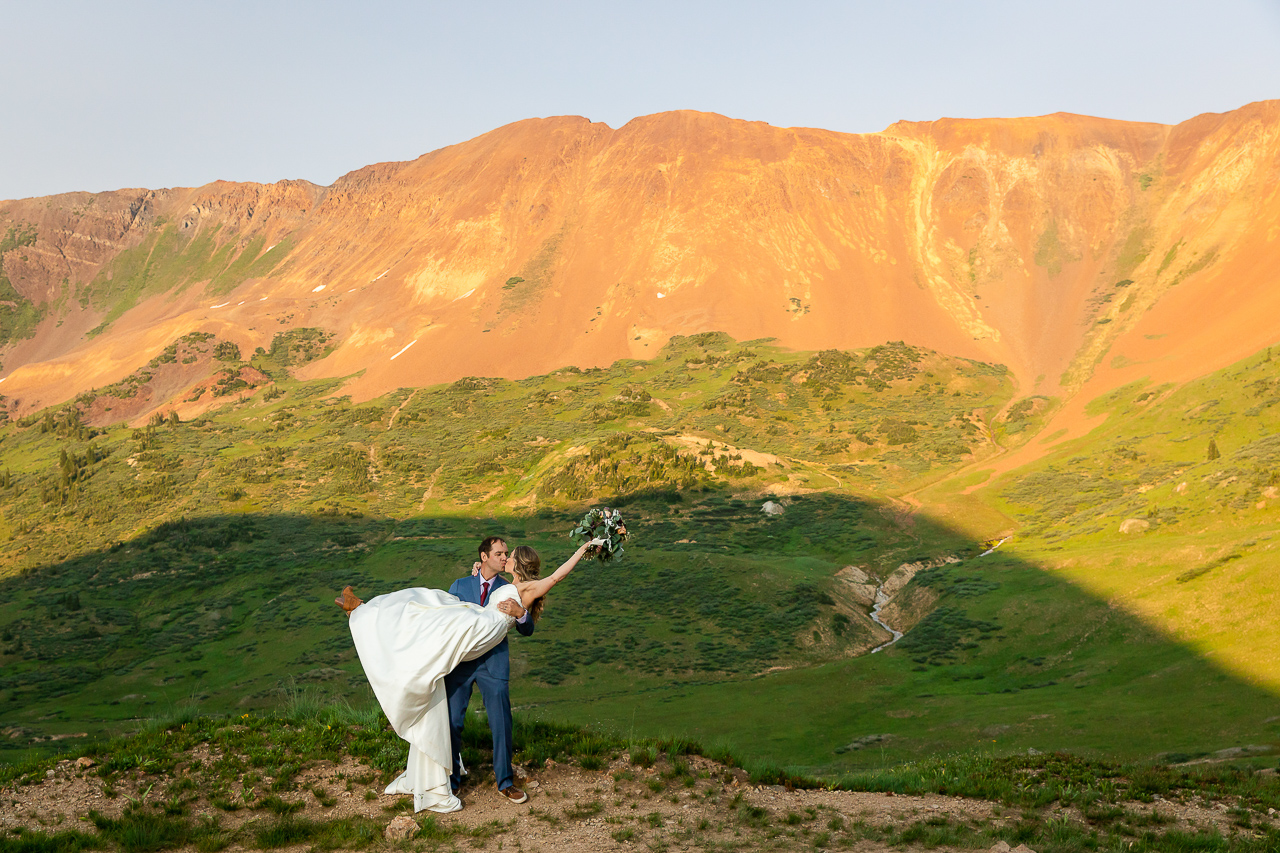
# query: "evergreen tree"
{"points": [[1213, 450]]}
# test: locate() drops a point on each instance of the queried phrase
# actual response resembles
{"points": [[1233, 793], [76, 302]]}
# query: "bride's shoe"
{"points": [[348, 602]]}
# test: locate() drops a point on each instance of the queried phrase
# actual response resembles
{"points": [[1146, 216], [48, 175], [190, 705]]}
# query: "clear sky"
{"points": [[98, 96]]}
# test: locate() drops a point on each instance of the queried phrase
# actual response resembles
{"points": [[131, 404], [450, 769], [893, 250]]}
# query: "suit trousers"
{"points": [[497, 704]]}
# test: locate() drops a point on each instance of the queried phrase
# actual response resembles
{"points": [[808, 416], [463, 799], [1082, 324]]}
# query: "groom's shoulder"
{"points": [[458, 584]]}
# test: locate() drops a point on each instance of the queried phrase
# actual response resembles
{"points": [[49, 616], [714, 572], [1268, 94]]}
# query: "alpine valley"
{"points": [[1004, 387]]}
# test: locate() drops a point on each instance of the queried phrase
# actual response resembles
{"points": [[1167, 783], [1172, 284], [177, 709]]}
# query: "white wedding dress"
{"points": [[408, 641]]}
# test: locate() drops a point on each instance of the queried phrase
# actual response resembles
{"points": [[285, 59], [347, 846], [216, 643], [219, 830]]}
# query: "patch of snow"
{"points": [[406, 346], [317, 288], [992, 549], [223, 305], [388, 270], [662, 296], [465, 295]]}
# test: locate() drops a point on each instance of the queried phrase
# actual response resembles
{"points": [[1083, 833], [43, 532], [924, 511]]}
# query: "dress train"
{"points": [[407, 642]]}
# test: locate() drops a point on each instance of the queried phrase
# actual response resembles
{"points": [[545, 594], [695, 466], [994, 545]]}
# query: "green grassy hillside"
{"points": [[1192, 473], [193, 564]]}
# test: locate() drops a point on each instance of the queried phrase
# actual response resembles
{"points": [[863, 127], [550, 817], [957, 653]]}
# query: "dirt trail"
{"points": [[574, 810], [391, 423]]}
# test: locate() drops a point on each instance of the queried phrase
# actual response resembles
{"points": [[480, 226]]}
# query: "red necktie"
{"points": [[484, 593]]}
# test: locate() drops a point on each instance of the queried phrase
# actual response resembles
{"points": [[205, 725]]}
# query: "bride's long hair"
{"points": [[528, 567]]}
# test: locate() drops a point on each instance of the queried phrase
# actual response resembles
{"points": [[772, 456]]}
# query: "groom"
{"points": [[490, 672]]}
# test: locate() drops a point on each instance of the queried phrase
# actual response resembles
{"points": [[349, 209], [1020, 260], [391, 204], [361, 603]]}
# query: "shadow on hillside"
{"points": [[226, 612]]}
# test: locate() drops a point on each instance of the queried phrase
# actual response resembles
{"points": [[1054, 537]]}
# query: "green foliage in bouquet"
{"points": [[604, 524]]}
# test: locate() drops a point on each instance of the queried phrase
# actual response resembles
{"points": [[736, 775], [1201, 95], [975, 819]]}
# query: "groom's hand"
{"points": [[512, 609]]}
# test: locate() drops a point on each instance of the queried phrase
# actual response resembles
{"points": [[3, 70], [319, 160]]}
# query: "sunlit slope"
{"points": [[707, 413], [1053, 245], [1170, 509]]}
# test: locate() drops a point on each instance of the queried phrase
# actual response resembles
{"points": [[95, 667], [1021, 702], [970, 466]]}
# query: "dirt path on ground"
{"points": [[695, 805], [400, 408]]}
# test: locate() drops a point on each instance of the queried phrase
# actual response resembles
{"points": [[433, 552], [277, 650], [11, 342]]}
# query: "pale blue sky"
{"points": [[98, 96]]}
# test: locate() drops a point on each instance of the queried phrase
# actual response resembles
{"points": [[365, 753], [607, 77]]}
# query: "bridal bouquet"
{"points": [[604, 524]]}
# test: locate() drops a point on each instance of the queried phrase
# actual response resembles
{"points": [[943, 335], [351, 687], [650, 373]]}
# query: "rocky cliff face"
{"points": [[1069, 248]]}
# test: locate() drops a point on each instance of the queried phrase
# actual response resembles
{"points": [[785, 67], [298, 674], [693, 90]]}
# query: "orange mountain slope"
{"points": [[1073, 249]]}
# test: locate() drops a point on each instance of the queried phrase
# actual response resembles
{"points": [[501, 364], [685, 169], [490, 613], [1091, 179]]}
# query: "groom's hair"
{"points": [[487, 545]]}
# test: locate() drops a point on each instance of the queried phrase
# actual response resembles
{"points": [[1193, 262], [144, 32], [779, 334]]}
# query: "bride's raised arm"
{"points": [[532, 591]]}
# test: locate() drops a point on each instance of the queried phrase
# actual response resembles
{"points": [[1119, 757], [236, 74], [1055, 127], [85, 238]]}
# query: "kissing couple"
{"points": [[423, 650]]}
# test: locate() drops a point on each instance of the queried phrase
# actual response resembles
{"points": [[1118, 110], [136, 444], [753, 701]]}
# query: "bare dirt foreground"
{"points": [[693, 804]]}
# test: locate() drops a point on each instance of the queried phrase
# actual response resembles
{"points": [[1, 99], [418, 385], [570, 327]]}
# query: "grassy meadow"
{"points": [[192, 565]]}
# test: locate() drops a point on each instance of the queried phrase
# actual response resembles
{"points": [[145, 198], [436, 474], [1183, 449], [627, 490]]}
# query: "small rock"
{"points": [[535, 784], [48, 774], [1031, 750], [1271, 811], [1022, 848], [401, 827], [771, 508], [1000, 847], [1135, 525], [84, 761]]}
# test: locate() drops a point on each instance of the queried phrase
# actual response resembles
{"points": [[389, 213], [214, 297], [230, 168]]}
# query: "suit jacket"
{"points": [[497, 660]]}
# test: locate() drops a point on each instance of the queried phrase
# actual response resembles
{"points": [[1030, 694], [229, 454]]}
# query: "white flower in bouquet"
{"points": [[606, 524]]}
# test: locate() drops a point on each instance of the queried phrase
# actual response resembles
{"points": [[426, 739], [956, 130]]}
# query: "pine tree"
{"points": [[1213, 450]]}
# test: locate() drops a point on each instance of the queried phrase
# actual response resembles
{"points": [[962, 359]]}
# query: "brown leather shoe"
{"points": [[514, 795], [348, 602]]}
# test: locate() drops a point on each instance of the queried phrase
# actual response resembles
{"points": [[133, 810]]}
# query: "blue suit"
{"points": [[492, 674]]}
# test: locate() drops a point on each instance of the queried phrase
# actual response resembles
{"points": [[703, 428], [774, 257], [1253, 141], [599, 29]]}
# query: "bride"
{"points": [[409, 640]]}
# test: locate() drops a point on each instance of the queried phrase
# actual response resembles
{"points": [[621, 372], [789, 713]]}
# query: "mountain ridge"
{"points": [[1062, 246]]}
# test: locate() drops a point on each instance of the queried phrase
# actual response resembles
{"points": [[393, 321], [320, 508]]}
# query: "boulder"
{"points": [[84, 761], [400, 828], [771, 508], [1135, 525]]}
